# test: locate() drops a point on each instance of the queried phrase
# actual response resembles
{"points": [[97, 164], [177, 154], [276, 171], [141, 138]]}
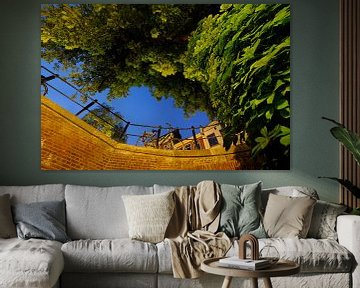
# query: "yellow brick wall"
{"points": [[68, 143]]}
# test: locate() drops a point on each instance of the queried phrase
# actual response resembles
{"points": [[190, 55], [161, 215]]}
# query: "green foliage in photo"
{"points": [[242, 55]]}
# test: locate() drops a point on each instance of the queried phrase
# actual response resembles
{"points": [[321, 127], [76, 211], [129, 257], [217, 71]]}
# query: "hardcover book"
{"points": [[249, 264]]}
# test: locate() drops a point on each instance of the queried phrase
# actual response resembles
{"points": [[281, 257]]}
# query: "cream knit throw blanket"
{"points": [[191, 231]]}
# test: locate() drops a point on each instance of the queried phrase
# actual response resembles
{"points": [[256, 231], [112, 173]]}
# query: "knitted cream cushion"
{"points": [[149, 215]]}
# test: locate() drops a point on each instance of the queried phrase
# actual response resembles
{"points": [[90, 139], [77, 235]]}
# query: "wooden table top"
{"points": [[281, 268]]}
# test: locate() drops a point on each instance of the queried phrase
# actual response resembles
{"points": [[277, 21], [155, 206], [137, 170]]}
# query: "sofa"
{"points": [[99, 252]]}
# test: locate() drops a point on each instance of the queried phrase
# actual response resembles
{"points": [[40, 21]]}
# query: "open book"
{"points": [[236, 262]]}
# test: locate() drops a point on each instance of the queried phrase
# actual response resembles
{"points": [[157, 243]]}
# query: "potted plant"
{"points": [[351, 141]]}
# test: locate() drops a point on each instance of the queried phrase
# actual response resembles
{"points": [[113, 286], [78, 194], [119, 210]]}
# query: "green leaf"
{"points": [[279, 83], [284, 130], [285, 140], [269, 114], [282, 104], [262, 143], [270, 99], [264, 131], [349, 139]]}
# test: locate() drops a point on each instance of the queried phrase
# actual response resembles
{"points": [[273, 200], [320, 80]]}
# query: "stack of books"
{"points": [[248, 264]]}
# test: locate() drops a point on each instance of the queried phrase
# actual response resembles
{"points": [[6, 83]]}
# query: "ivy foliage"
{"points": [[242, 54]]}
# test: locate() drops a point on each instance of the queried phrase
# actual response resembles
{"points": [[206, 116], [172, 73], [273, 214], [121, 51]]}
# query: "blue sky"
{"points": [[139, 107]]}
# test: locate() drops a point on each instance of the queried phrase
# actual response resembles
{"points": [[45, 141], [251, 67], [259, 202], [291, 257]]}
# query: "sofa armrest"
{"points": [[348, 230]]}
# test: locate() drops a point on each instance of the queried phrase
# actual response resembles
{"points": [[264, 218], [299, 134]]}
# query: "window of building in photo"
{"points": [[212, 139]]}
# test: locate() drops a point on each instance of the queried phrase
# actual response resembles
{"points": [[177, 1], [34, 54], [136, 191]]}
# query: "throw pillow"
{"points": [[288, 217], [43, 220], [149, 215], [240, 210], [323, 222], [7, 227]]}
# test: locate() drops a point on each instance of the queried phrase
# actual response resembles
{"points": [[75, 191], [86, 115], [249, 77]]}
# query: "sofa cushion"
{"points": [[164, 257], [7, 227], [149, 215], [313, 255], [287, 216], [240, 212], [98, 213], [36, 193], [291, 191], [323, 222], [116, 255], [30, 263], [43, 220]]}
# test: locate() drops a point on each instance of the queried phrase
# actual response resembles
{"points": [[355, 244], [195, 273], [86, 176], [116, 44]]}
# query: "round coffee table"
{"points": [[281, 268]]}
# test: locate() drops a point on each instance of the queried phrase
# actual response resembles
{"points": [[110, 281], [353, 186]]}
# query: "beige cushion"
{"points": [[288, 217], [7, 226], [293, 191], [149, 215]]}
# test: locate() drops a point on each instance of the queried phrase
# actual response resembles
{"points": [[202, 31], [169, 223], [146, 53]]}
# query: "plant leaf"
{"points": [[349, 139], [285, 140]]}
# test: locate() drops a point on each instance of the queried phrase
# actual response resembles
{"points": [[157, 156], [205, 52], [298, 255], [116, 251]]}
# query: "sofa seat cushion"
{"points": [[30, 263], [313, 255], [110, 255]]}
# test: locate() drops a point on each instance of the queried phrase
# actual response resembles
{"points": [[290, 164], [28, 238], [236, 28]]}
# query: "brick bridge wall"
{"points": [[68, 143]]}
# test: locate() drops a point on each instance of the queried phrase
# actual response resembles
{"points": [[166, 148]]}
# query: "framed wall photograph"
{"points": [[165, 87]]}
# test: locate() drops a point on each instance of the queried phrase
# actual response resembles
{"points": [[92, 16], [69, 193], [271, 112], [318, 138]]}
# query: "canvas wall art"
{"points": [[165, 86]]}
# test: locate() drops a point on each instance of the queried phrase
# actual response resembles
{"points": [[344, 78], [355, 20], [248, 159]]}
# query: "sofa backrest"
{"points": [[98, 212], [36, 193]]}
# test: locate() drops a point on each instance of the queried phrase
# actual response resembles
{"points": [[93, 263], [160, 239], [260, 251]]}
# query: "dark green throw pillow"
{"points": [[240, 210], [43, 220]]}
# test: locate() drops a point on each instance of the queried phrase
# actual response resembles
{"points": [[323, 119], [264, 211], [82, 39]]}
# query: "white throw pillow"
{"points": [[149, 215]]}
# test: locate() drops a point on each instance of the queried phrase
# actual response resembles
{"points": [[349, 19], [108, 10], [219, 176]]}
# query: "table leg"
{"points": [[227, 282], [254, 282], [267, 283]]}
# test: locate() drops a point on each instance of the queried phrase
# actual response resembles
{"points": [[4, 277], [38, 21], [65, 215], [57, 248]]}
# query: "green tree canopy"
{"points": [[107, 122], [242, 55], [116, 47]]}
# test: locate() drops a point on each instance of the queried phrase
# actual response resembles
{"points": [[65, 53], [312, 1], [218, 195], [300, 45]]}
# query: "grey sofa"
{"points": [[101, 254]]}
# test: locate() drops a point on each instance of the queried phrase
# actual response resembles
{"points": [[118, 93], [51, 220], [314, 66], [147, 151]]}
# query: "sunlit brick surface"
{"points": [[68, 143]]}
